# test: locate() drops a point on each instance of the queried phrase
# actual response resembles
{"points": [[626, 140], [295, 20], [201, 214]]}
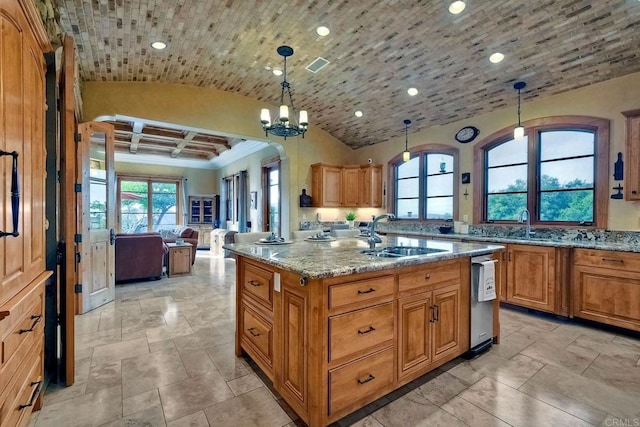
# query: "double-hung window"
{"points": [[558, 172], [425, 187]]}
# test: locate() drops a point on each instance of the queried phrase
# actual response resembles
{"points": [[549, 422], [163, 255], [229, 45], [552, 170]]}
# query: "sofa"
{"points": [[188, 234], [139, 256]]}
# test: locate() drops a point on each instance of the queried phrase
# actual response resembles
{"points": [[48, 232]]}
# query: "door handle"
{"points": [[15, 194], [112, 237]]}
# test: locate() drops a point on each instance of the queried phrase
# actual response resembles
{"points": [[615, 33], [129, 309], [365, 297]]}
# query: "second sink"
{"points": [[401, 251]]}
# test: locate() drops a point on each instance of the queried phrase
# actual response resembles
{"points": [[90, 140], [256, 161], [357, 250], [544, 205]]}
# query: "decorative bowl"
{"points": [[445, 229]]}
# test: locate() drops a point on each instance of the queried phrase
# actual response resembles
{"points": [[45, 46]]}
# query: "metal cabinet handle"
{"points": [[254, 283], [366, 331], [366, 292], [621, 261], [15, 194], [34, 395], [251, 331], [436, 313], [366, 380], [432, 318], [36, 319]]}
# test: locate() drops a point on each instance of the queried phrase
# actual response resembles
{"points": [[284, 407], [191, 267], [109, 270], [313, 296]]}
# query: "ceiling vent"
{"points": [[318, 64]]}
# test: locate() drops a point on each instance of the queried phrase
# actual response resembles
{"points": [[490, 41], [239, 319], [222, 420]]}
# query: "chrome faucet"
{"points": [[373, 237], [525, 217]]}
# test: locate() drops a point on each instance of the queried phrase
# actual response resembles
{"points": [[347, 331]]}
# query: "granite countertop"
{"points": [[344, 256], [583, 244]]}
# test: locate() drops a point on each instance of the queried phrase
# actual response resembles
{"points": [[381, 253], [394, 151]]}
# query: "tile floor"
{"points": [[162, 354]]}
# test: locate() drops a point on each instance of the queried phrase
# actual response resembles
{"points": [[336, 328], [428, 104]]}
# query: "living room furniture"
{"points": [[220, 237], [188, 235], [139, 256], [179, 259]]}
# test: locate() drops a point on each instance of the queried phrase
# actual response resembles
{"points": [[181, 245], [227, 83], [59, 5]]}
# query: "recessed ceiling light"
{"points": [[359, 113], [496, 57], [456, 7], [412, 91], [277, 71], [323, 31], [158, 45]]}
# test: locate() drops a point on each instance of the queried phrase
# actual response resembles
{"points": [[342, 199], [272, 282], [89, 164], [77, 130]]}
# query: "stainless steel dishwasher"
{"points": [[481, 312]]}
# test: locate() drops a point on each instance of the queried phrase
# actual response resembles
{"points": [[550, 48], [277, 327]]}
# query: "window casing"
{"points": [[558, 172], [148, 203], [425, 187]]}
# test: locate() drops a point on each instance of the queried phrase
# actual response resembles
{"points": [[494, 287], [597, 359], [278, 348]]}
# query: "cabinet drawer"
{"points": [[20, 330], [361, 292], [429, 276], [258, 283], [608, 259], [358, 382], [258, 332], [23, 392], [359, 330]]}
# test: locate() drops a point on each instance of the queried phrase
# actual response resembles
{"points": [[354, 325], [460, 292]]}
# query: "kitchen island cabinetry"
{"points": [[332, 343], [606, 287], [431, 321]]}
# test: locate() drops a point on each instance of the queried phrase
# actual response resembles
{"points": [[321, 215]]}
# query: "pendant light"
{"points": [[406, 156], [518, 131]]}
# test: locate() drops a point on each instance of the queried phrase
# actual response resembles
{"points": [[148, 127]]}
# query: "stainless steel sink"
{"points": [[400, 251]]}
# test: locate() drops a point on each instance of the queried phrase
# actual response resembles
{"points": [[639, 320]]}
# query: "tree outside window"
{"points": [[558, 171], [148, 205]]}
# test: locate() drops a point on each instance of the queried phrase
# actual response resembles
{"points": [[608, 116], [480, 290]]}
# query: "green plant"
{"points": [[350, 216]]}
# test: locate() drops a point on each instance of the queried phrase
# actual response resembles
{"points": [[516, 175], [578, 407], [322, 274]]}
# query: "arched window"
{"points": [[425, 187], [558, 172]]}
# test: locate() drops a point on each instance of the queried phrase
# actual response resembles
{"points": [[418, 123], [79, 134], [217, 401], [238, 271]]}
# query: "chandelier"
{"points": [[283, 126]]}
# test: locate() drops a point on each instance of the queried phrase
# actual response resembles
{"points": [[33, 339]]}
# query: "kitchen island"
{"points": [[335, 328]]}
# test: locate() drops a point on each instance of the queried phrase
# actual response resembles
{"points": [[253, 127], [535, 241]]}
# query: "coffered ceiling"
{"points": [[377, 49]]}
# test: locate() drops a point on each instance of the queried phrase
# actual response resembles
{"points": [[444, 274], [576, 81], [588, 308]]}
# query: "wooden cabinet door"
{"points": [[351, 186], [607, 295], [531, 277], [364, 189], [22, 124], [446, 324], [375, 178], [326, 185], [294, 346], [415, 316], [632, 169]]}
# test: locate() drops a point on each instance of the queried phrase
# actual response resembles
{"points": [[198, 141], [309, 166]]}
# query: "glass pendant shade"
{"points": [[518, 132], [406, 156]]}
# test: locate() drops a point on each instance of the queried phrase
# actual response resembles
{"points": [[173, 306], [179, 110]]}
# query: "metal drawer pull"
{"points": [[433, 316], [34, 395], [371, 329], [254, 283], [251, 331], [436, 312], [36, 320], [366, 380], [366, 292], [621, 261], [15, 194], [427, 276]]}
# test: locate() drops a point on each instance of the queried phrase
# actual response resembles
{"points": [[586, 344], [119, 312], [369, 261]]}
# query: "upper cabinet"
{"points": [[632, 167], [346, 186], [202, 209]]}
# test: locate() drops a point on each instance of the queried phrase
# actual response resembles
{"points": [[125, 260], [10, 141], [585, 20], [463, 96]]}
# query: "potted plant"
{"points": [[350, 217]]}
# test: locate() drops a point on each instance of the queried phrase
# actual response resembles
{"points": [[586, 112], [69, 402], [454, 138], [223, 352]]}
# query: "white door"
{"points": [[98, 215]]}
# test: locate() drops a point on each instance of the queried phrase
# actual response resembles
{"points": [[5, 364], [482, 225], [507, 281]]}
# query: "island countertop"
{"points": [[340, 257]]}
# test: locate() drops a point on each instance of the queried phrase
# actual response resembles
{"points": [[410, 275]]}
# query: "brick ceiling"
{"points": [[377, 49]]}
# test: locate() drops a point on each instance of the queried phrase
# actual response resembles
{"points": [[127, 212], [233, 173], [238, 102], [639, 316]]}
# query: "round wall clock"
{"points": [[467, 134]]}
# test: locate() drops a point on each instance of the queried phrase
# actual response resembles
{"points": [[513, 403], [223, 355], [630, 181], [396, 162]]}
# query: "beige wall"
{"points": [[604, 100], [235, 115], [223, 112]]}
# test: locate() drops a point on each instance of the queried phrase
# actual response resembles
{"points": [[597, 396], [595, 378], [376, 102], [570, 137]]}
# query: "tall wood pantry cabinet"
{"points": [[23, 41], [632, 167]]}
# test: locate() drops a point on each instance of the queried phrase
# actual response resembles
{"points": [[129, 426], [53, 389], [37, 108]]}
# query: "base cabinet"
{"points": [[531, 277], [337, 344], [606, 287]]}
